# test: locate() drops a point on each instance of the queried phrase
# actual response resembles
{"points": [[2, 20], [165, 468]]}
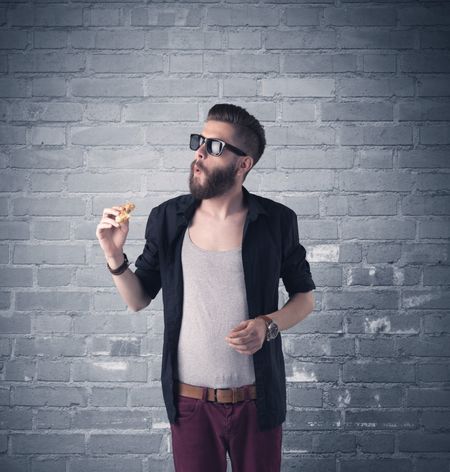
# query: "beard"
{"points": [[216, 182]]}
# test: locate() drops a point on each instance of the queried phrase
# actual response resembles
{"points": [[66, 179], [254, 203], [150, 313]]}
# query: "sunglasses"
{"points": [[215, 147]]}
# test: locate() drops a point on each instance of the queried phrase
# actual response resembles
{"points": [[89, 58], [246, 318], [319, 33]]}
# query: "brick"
{"points": [[157, 15], [102, 112], [425, 299], [20, 371], [182, 87], [438, 420], [50, 443], [426, 205], [423, 110], [376, 464], [424, 15], [49, 396], [51, 301], [107, 87], [46, 158], [110, 324], [242, 16], [113, 396], [10, 88], [356, 111], [431, 62], [376, 443], [242, 63], [305, 397], [423, 158], [423, 442], [17, 277], [103, 419], [14, 230], [360, 205], [183, 40], [126, 63], [373, 38], [12, 134], [107, 39], [110, 371], [104, 17], [414, 253], [144, 443], [378, 372], [299, 40], [58, 15], [316, 345], [302, 16], [364, 397], [386, 87], [13, 39], [386, 323], [297, 87], [427, 397], [428, 346], [353, 16], [50, 39], [149, 111], [433, 372], [53, 420], [95, 464], [239, 87], [46, 62], [312, 420], [433, 87], [386, 419], [375, 135], [379, 63], [19, 324], [436, 323], [186, 63], [378, 228], [251, 39], [318, 63], [304, 135], [311, 372], [305, 180], [48, 136], [54, 346], [70, 206]]}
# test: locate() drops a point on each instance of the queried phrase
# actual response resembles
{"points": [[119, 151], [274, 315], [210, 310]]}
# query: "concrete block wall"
{"points": [[97, 100]]}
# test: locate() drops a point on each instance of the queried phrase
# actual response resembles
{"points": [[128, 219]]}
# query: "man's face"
{"points": [[212, 176]]}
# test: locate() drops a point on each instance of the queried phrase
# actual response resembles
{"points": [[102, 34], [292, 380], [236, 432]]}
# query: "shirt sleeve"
{"points": [[295, 271], [147, 264]]}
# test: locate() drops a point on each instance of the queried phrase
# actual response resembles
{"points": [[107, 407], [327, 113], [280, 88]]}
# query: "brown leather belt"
{"points": [[219, 395]]}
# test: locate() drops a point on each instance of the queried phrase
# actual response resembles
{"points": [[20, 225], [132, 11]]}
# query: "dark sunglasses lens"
{"points": [[214, 147], [195, 142]]}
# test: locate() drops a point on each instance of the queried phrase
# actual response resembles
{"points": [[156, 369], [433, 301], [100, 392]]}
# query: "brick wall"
{"points": [[97, 100]]}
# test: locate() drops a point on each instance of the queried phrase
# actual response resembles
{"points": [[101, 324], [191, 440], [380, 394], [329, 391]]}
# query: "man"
{"points": [[218, 254]]}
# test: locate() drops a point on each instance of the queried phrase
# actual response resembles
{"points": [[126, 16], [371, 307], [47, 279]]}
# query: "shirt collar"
{"points": [[188, 206]]}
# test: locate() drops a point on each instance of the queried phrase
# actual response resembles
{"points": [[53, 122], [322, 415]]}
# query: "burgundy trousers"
{"points": [[206, 431]]}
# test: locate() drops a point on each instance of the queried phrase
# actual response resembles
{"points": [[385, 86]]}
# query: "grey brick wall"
{"points": [[96, 102]]}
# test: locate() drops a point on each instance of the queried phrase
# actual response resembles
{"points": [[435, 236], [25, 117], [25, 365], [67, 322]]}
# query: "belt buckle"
{"points": [[215, 395]]}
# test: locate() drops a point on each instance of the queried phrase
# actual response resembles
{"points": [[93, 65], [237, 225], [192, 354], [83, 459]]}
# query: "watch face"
{"points": [[272, 331]]}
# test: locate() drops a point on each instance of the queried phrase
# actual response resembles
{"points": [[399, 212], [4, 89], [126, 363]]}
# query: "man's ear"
{"points": [[247, 163]]}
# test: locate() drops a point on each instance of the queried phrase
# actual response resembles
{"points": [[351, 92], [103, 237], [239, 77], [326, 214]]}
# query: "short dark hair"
{"points": [[249, 130]]}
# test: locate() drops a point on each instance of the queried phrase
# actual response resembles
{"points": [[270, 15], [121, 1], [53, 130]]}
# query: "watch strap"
{"points": [[122, 268]]}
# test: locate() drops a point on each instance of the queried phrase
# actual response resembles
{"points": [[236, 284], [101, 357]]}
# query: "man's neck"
{"points": [[225, 205]]}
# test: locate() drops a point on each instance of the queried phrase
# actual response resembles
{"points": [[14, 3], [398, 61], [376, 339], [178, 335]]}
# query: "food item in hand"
{"points": [[125, 211]]}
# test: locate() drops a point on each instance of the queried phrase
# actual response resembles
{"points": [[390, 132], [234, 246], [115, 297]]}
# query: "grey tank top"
{"points": [[214, 302]]}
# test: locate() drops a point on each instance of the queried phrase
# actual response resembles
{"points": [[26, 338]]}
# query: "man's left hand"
{"points": [[248, 336]]}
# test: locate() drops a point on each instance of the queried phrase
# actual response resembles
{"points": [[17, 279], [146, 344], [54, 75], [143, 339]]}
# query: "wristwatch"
{"points": [[272, 328]]}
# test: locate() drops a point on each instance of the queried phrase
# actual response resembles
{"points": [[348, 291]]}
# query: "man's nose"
{"points": [[201, 151]]}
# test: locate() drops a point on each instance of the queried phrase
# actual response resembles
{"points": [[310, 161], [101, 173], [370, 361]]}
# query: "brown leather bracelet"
{"points": [[122, 268]]}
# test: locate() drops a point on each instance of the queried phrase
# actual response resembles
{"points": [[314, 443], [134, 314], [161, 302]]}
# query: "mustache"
{"points": [[198, 164]]}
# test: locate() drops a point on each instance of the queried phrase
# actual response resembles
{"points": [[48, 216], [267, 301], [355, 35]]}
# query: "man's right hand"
{"points": [[112, 235]]}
